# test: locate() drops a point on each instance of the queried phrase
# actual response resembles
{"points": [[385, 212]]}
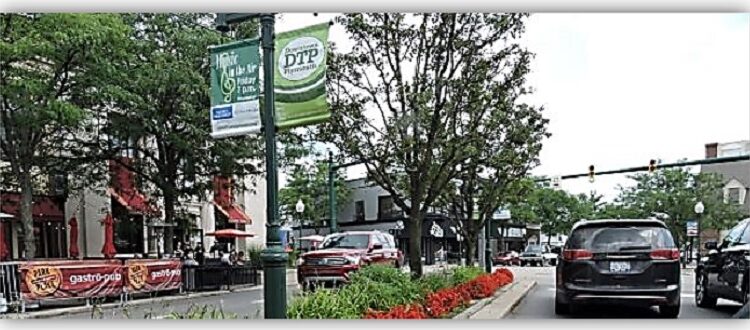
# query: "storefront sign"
{"points": [[235, 89], [300, 77], [70, 279], [153, 275]]}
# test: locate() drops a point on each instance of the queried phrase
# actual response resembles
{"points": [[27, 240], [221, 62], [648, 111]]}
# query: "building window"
{"points": [[359, 211], [386, 208], [128, 234], [733, 195]]}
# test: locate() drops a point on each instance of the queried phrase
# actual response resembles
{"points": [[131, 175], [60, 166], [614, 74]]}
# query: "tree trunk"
{"points": [[169, 219], [471, 246], [27, 219], [415, 240]]}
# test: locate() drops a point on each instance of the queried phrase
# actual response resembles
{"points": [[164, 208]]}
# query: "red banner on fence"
{"points": [[70, 279], [145, 275]]}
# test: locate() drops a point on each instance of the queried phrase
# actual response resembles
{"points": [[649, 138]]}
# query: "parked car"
{"points": [[723, 272], [620, 263], [538, 255], [507, 258], [343, 253]]}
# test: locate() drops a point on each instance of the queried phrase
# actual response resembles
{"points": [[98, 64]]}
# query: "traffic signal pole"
{"points": [[652, 167]]}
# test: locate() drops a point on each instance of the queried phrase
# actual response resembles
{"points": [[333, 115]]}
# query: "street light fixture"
{"points": [[300, 208], [699, 208]]}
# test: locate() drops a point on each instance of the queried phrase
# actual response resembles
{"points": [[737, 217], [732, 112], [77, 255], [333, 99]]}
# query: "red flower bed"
{"points": [[415, 311], [444, 301]]}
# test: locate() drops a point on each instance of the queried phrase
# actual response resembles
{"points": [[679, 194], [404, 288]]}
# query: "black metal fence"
{"points": [[216, 277]]}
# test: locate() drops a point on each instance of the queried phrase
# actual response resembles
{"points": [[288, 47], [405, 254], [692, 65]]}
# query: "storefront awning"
{"points": [[43, 208], [224, 201], [124, 191]]}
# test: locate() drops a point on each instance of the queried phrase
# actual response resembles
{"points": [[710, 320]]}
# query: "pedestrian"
{"points": [[199, 253], [233, 257], [190, 260], [215, 249], [225, 259], [240, 258]]}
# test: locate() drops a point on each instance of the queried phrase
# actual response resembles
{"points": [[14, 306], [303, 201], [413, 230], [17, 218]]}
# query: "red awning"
{"points": [[224, 201], [230, 233], [43, 208], [233, 213], [124, 191]]}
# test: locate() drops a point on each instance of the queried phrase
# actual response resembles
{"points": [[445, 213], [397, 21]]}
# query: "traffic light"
{"points": [[652, 166], [591, 173]]}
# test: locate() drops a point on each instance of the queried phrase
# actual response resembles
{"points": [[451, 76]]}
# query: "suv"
{"points": [[343, 253], [540, 255], [619, 262], [723, 272]]}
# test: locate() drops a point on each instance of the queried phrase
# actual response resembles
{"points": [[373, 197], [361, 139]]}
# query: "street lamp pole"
{"points": [[332, 195], [274, 256], [300, 208]]}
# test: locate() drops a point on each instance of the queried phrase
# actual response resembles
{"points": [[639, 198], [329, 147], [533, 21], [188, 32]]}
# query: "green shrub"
{"points": [[464, 274], [253, 255], [436, 281]]}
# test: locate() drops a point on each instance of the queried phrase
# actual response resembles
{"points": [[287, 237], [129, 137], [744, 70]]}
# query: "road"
{"points": [[243, 305], [539, 303]]}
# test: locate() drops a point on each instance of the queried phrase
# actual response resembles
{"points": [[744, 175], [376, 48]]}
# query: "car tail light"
{"points": [[570, 255], [665, 254]]}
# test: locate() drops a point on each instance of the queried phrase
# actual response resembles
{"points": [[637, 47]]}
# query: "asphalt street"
{"points": [[539, 303]]}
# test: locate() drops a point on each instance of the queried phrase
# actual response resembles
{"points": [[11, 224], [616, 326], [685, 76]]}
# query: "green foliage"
{"points": [[253, 254], [465, 274], [675, 192], [556, 210], [310, 184], [54, 68]]}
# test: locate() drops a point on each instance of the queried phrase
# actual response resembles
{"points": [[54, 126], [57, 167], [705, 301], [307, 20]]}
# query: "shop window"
{"points": [[129, 234]]}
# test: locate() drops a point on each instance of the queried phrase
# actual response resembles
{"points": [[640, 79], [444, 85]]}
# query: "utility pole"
{"points": [[274, 256]]}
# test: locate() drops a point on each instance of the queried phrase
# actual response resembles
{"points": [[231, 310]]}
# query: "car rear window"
{"points": [[619, 238]]}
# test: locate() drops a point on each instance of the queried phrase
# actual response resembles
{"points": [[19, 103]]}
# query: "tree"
{"points": [[310, 184], [403, 98], [51, 66], [674, 192], [555, 210]]}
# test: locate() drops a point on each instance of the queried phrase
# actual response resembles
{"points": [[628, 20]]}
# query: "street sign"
{"points": [[235, 89], [299, 82], [692, 228], [501, 214]]}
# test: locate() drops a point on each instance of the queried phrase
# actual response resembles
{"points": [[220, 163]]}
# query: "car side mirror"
{"points": [[711, 245], [376, 247]]}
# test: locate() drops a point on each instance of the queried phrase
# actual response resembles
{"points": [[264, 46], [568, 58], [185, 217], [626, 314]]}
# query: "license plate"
{"points": [[619, 266]]}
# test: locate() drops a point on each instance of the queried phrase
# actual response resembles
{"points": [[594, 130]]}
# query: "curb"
{"points": [[525, 287], [515, 303]]}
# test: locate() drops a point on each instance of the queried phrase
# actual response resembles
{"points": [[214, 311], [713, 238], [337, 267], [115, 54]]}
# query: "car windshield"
{"points": [[347, 242], [621, 238], [534, 248]]}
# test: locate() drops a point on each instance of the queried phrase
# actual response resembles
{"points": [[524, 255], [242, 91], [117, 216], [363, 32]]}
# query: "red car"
{"points": [[342, 253], [508, 258]]}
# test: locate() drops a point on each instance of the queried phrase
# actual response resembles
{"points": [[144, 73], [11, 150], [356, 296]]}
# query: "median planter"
{"points": [[381, 292]]}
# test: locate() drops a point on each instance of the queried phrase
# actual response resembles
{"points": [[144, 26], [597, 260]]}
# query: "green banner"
{"points": [[300, 77], [235, 89]]}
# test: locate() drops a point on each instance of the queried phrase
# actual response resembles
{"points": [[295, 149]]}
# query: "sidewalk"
{"points": [[176, 299]]}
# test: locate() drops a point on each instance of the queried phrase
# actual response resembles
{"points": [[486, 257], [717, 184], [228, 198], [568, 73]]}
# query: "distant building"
{"points": [[736, 178]]}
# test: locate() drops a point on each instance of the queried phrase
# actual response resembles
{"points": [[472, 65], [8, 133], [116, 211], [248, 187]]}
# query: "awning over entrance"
{"points": [[224, 201], [124, 191], [43, 208]]}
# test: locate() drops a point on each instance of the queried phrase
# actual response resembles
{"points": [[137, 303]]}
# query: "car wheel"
{"points": [[669, 312], [702, 297]]}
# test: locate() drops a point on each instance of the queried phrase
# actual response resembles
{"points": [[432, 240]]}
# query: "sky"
{"points": [[621, 89]]}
